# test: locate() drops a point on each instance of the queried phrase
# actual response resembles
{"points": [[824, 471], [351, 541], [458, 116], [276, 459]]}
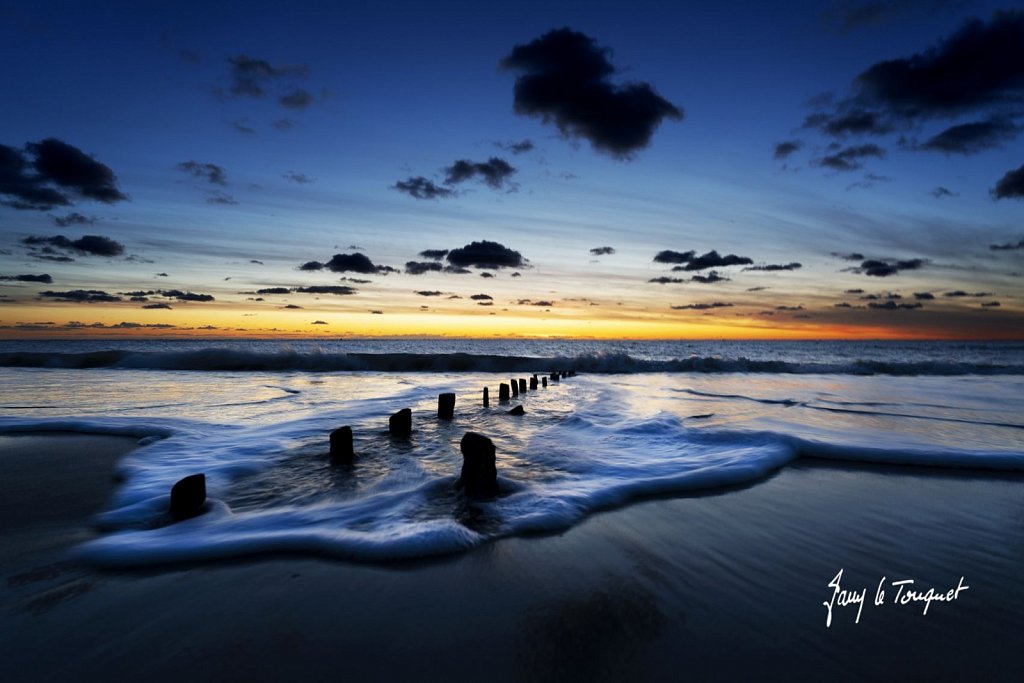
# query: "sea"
{"points": [[638, 419]]}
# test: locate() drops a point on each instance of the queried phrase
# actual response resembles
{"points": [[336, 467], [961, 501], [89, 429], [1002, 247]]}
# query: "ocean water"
{"points": [[639, 419]]}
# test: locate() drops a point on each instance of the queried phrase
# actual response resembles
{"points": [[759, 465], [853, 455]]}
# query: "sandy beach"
{"points": [[729, 584]]}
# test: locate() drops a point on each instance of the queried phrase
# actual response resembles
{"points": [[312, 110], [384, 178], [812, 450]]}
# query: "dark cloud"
{"points": [[420, 267], [940, 192], [885, 268], [298, 99], [1010, 186], [256, 261], [771, 267], [855, 256], [564, 78], [338, 290], [702, 307], [784, 149], [422, 188], [292, 306], [457, 270], [487, 275], [971, 138], [243, 128], [991, 304], [842, 304], [666, 280], [710, 278], [847, 15], [849, 158], [185, 296], [159, 305], [485, 254], [73, 218], [274, 290], [790, 308], [484, 303], [348, 263], [318, 322], [712, 259], [481, 297], [961, 293], [434, 254], [495, 173], [602, 251], [516, 274], [516, 147], [756, 289], [81, 296], [94, 245], [424, 292], [218, 197], [892, 306], [669, 256], [209, 172], [44, 279], [979, 65], [1008, 246], [979, 68], [300, 178], [49, 173], [924, 296], [250, 76]]}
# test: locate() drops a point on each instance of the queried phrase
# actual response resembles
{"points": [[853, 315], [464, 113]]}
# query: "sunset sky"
{"points": [[598, 169]]}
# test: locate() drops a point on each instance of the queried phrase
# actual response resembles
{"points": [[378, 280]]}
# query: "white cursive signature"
{"points": [[905, 594]]}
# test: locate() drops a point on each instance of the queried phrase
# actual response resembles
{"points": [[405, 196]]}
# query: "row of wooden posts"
{"points": [[479, 471]]}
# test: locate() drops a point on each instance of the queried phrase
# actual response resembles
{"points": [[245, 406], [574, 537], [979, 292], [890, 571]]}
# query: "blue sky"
{"points": [[402, 90]]}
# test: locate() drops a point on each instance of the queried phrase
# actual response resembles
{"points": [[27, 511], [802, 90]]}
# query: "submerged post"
{"points": [[487, 400], [188, 496], [503, 392], [522, 385], [518, 410], [479, 475], [341, 444], [445, 406], [515, 387], [400, 424]]}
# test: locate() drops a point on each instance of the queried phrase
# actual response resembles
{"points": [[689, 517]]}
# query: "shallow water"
{"points": [[586, 443]]}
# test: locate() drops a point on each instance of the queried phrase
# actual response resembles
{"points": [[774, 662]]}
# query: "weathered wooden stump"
{"points": [[400, 424], [544, 381], [522, 386], [502, 392], [487, 399], [518, 410], [479, 477], [533, 383], [445, 406], [341, 444], [188, 497], [515, 387]]}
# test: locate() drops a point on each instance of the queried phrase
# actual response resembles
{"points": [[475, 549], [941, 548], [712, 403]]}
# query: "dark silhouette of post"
{"points": [[341, 444], [533, 383], [487, 400], [400, 424], [518, 410], [445, 406], [188, 496], [502, 392], [479, 477], [544, 382], [515, 387], [522, 385], [554, 376]]}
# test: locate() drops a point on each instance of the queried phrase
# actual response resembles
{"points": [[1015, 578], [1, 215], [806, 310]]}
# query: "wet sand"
{"points": [[727, 585]]}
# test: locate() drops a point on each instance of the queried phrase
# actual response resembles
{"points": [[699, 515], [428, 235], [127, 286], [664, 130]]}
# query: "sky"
{"points": [[691, 170]]}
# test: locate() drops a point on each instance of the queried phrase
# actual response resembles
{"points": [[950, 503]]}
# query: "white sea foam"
{"points": [[585, 443]]}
